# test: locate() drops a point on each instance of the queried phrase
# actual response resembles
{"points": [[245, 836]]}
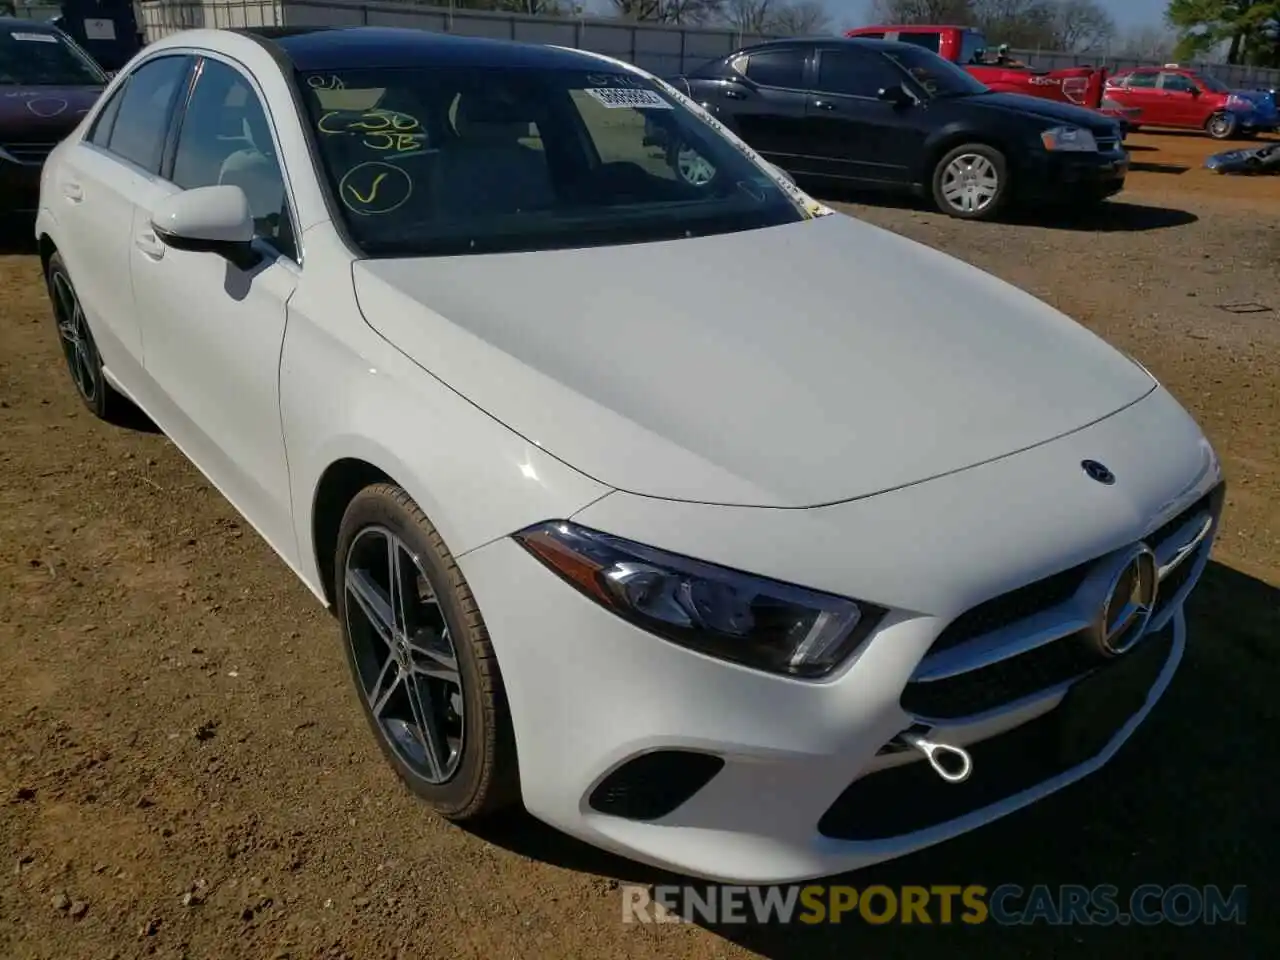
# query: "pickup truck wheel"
{"points": [[971, 182], [1222, 125]]}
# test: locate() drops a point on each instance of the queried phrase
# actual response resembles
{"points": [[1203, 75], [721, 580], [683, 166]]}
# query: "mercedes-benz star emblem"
{"points": [[1098, 471], [1130, 602]]}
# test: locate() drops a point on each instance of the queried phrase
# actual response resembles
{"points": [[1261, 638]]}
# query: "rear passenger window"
{"points": [[100, 134], [777, 68], [1140, 80], [142, 119]]}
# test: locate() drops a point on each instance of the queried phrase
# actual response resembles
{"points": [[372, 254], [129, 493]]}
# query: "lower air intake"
{"points": [[654, 784]]}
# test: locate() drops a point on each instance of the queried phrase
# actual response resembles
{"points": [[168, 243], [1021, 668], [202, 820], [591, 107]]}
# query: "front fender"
{"points": [[346, 393]]}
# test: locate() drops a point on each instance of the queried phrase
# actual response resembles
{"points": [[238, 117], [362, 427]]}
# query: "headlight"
{"points": [[723, 613], [1072, 139]]}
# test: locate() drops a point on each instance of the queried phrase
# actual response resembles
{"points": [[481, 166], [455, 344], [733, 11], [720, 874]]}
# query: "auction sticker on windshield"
{"points": [[616, 98], [35, 37]]}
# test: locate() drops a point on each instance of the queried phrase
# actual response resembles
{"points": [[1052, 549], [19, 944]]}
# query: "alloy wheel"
{"points": [[73, 333], [694, 168], [406, 663], [970, 183]]}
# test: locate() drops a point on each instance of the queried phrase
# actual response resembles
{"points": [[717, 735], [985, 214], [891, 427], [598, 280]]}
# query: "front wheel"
{"points": [[1223, 125], [421, 659], [971, 182]]}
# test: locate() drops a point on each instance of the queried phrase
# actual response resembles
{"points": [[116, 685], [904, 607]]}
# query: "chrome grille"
{"points": [[1107, 144], [1023, 645], [28, 154]]}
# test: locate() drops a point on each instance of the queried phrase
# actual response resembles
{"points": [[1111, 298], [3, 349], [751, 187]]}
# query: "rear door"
{"points": [[96, 188], [765, 101], [1140, 90], [857, 135]]}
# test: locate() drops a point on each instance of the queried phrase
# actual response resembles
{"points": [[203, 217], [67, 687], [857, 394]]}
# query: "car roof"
{"points": [[866, 43], [23, 25], [338, 48]]}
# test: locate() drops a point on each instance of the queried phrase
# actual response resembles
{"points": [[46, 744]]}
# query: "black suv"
{"points": [[886, 114]]}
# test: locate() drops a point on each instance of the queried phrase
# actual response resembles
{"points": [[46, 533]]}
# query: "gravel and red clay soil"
{"points": [[184, 771]]}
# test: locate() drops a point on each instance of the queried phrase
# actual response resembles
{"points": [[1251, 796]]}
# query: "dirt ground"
{"points": [[184, 771]]}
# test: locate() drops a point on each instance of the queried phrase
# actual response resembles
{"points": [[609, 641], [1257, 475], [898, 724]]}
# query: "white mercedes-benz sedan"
{"points": [[722, 532]]}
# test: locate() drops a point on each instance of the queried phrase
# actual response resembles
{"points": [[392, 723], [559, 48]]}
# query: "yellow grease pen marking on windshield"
{"points": [[374, 187], [384, 130], [318, 82]]}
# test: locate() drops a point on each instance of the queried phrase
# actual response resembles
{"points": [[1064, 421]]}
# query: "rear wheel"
{"points": [[971, 182], [1223, 125], [84, 363]]}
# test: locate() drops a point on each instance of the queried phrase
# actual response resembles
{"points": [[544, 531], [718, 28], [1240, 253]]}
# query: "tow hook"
{"points": [[957, 764]]}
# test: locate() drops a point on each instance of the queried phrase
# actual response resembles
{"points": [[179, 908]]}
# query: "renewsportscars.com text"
{"points": [[1006, 905]]}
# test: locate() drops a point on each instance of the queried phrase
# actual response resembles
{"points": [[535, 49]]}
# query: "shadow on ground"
{"points": [[1112, 216], [1189, 800], [17, 239]]}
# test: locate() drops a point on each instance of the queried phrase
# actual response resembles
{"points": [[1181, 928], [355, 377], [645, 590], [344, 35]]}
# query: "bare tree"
{"points": [[922, 11], [792, 18], [799, 18], [1083, 25], [1147, 43], [669, 11], [748, 16]]}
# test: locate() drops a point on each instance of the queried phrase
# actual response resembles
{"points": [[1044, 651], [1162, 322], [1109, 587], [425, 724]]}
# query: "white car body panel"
{"points": [[794, 402], [805, 393]]}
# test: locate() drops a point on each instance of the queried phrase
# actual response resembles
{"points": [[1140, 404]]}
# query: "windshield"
{"points": [[939, 77], [458, 160], [1209, 83], [42, 59], [973, 46]]}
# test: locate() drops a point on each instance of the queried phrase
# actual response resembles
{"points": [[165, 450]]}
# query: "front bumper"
{"points": [[802, 780], [1063, 177]]}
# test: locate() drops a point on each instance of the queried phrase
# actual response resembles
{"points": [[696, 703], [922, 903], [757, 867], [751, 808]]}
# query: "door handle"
{"points": [[734, 95], [72, 191], [149, 244], [824, 105]]}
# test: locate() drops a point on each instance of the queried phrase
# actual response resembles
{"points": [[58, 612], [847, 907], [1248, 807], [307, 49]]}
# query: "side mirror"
{"points": [[894, 95], [783, 173], [208, 220], [1195, 91]]}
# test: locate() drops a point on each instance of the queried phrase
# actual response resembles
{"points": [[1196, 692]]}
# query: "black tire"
{"points": [[989, 208], [79, 350], [486, 778], [1223, 125]]}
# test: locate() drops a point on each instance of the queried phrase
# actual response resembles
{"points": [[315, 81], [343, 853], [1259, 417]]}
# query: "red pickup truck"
{"points": [[967, 46]]}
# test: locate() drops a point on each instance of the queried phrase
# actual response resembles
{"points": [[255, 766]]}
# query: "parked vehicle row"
{"points": [[710, 527], [967, 47], [887, 114], [1178, 97], [47, 85]]}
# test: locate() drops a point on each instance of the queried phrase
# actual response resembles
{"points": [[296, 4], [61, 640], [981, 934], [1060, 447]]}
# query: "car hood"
{"points": [[1042, 107], [42, 113], [786, 367]]}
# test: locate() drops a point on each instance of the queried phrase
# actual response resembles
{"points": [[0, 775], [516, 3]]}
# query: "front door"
{"points": [[858, 135], [215, 331], [1182, 100]]}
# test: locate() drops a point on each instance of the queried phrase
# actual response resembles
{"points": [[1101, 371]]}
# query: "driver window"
{"points": [[856, 74], [1176, 82], [225, 139]]}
